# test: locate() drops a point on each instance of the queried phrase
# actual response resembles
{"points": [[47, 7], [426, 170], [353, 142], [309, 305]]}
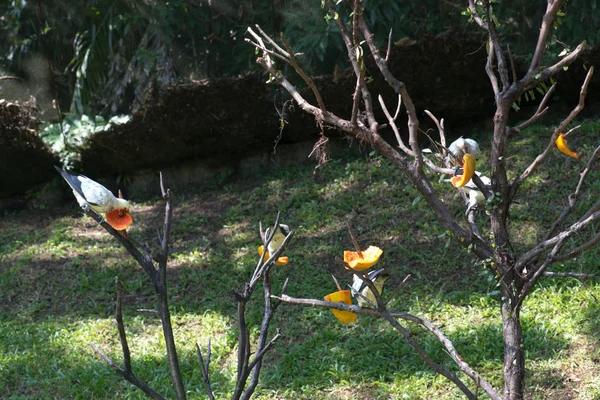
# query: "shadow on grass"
{"points": [[369, 353], [66, 274], [51, 360]]}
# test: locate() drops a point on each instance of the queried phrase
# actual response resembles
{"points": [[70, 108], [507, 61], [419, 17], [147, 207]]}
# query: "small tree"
{"points": [[516, 273], [249, 363]]}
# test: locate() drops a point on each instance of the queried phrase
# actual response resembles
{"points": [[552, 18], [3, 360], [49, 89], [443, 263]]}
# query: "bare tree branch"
{"points": [[303, 75], [392, 316], [577, 275], [262, 270], [121, 327], [542, 156], [537, 272], [579, 250], [163, 298], [441, 131], [541, 110], [558, 238], [355, 57], [389, 46], [126, 372], [531, 81], [547, 22], [130, 377], [495, 46], [399, 88], [205, 367], [573, 197], [489, 69]]}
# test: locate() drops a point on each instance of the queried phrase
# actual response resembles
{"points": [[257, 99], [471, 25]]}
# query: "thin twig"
{"points": [[128, 376], [389, 46], [205, 376], [163, 298], [303, 75], [544, 245], [512, 63], [489, 69], [541, 110], [579, 250], [542, 156], [337, 284], [149, 310], [264, 351], [121, 327], [357, 62], [441, 131], [397, 289], [462, 364], [354, 241], [576, 275], [392, 123], [567, 133], [573, 197]]}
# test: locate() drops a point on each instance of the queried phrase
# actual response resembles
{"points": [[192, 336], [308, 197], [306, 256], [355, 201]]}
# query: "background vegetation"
{"points": [[57, 272], [102, 56]]}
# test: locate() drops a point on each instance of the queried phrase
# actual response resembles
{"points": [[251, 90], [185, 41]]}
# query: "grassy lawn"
{"points": [[58, 269]]}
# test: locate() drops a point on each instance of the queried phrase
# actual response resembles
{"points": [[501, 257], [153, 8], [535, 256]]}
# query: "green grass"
{"points": [[57, 290]]}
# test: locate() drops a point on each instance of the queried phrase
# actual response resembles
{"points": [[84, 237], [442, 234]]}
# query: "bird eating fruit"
{"points": [[278, 237], [378, 277], [92, 195], [462, 146]]}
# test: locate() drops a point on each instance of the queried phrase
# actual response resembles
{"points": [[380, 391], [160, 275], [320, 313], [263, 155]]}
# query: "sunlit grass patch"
{"points": [[57, 289]]}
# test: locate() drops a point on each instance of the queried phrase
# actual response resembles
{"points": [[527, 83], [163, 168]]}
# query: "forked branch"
{"points": [[158, 277]]}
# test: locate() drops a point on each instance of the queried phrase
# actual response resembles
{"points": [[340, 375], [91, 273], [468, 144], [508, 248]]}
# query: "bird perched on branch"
{"points": [[473, 195], [378, 277], [278, 237], [92, 195]]}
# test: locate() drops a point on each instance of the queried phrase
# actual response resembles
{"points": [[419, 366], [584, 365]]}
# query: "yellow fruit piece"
{"points": [[561, 143], [280, 260], [343, 296], [369, 258], [119, 219], [468, 171]]}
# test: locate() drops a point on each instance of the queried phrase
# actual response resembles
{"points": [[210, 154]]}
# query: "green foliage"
{"points": [[68, 138], [105, 55]]}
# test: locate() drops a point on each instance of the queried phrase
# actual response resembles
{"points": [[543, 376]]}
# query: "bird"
{"points": [[472, 192], [462, 146], [92, 195], [278, 237], [378, 277]]}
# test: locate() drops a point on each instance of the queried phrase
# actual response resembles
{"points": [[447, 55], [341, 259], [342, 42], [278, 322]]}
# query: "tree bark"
{"points": [[514, 353]]}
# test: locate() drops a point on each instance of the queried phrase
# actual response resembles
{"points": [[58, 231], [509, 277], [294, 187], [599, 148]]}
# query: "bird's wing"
{"points": [[89, 190], [357, 285], [374, 274]]}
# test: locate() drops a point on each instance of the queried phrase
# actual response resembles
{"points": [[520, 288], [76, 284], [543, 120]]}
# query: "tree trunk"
{"points": [[514, 353]]}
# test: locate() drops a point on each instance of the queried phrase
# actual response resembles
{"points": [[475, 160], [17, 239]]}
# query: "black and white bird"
{"points": [[379, 278], [473, 195], [278, 237], [91, 194]]}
